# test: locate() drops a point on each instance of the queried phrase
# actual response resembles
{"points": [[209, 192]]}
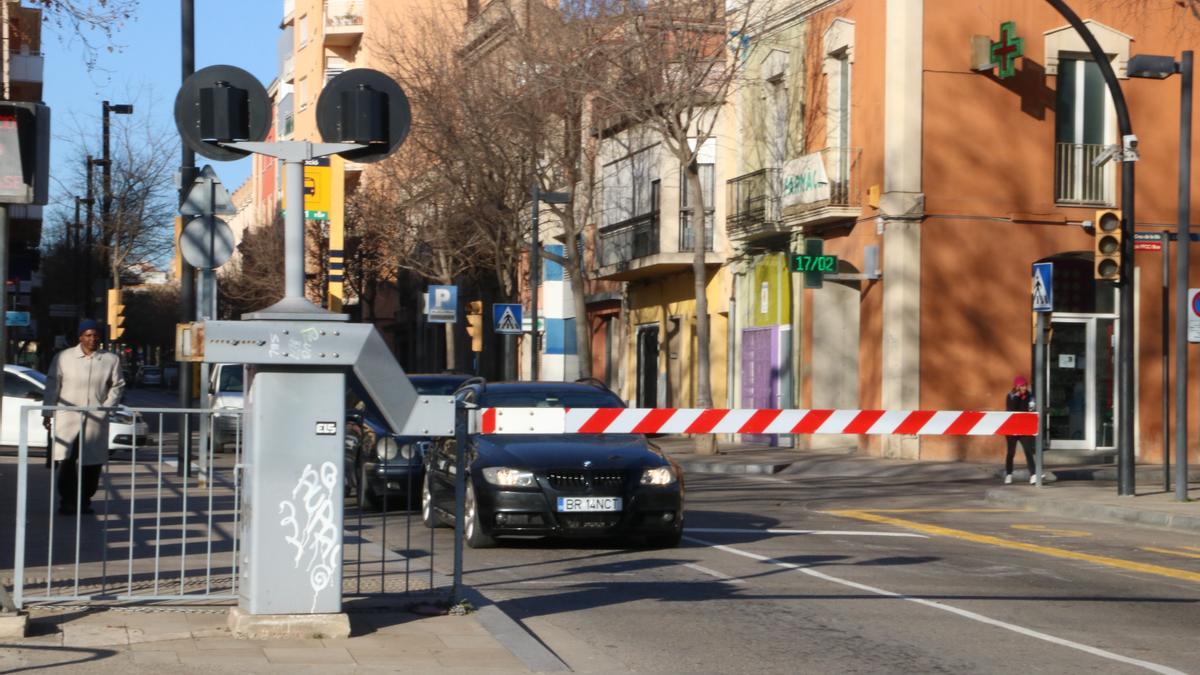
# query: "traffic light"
{"points": [[1108, 245], [475, 324], [116, 315], [24, 152]]}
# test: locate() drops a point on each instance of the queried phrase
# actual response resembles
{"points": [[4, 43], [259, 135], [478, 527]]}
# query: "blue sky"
{"points": [[144, 69]]}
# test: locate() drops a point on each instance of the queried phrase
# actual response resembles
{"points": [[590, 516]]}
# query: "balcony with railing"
{"points": [[640, 247], [1077, 181], [686, 241], [752, 204], [344, 20], [822, 187], [627, 240]]}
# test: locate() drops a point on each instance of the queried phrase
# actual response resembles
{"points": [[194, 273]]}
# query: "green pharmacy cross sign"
{"points": [[814, 264], [1007, 50]]}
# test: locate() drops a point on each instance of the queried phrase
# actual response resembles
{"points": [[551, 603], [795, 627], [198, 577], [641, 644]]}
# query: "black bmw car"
{"points": [[581, 485], [384, 470]]}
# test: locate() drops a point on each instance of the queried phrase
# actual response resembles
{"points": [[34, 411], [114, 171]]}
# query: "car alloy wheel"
{"points": [[428, 515], [473, 530]]}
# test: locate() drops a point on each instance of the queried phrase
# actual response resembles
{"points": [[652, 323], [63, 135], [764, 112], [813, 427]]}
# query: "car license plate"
{"points": [[583, 504]]}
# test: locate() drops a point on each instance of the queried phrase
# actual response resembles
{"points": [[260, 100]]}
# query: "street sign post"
{"points": [[442, 304], [506, 318], [1043, 304]]}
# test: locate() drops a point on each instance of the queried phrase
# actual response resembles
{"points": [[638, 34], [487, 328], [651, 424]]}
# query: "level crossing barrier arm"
{"points": [[752, 421]]}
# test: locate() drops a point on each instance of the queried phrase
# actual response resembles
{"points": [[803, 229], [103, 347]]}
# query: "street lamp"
{"points": [[1160, 68], [538, 198], [76, 244], [106, 202]]}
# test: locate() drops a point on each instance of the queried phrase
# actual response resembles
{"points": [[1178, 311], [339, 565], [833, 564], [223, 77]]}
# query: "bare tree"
{"points": [[255, 280]]}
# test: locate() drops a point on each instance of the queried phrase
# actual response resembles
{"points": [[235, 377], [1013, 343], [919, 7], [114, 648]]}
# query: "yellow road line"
{"points": [[936, 510], [1168, 551], [938, 530], [1052, 531]]}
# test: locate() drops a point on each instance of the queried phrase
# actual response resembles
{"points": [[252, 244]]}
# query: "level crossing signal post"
{"points": [[296, 354]]}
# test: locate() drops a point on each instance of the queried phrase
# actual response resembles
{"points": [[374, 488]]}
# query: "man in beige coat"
{"points": [[81, 376]]}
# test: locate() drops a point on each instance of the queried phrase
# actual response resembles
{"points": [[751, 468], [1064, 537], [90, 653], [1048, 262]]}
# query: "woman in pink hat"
{"points": [[1019, 400]]}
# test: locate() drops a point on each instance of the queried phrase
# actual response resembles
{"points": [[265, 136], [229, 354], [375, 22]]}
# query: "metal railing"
{"points": [[1077, 180], [343, 13], [842, 171], [162, 533], [686, 242], [752, 199], [636, 237]]}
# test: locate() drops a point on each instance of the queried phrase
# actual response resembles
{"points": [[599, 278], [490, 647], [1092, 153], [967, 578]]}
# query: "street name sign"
{"points": [[16, 318]]}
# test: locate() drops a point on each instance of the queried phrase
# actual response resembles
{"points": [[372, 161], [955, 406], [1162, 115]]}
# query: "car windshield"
{"points": [[231, 379], [436, 386], [35, 375], [549, 398]]}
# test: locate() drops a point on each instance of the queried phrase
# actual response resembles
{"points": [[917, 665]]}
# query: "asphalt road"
{"points": [[787, 574]]}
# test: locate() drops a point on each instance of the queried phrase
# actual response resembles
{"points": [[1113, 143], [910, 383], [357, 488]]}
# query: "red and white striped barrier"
{"points": [[750, 421]]}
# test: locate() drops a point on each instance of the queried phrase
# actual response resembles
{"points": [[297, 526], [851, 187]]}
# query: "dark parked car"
{"points": [[581, 485], [382, 466]]}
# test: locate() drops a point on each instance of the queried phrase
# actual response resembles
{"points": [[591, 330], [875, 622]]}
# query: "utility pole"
{"points": [[89, 200], [187, 275], [106, 186], [1125, 355]]}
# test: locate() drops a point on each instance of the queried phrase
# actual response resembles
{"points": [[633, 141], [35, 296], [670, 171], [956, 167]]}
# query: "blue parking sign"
{"points": [[441, 305]]}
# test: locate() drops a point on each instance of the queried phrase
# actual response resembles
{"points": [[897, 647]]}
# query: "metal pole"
{"points": [[460, 494], [1125, 392], [106, 195], [534, 263], [293, 231], [87, 262], [3, 285], [1039, 394], [187, 275], [1181, 280], [1165, 311]]}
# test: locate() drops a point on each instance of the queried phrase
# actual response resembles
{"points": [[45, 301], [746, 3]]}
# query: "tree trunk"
{"points": [[583, 327], [706, 444]]}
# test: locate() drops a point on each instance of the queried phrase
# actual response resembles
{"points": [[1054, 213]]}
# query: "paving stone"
{"points": [[94, 636], [155, 658], [312, 655], [235, 660], [179, 645], [457, 641]]}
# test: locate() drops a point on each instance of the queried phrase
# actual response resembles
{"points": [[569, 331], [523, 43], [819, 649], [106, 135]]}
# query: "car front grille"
{"points": [[579, 480], [589, 521]]}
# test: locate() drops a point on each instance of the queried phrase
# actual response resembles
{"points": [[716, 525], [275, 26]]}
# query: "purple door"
{"points": [[760, 375]]}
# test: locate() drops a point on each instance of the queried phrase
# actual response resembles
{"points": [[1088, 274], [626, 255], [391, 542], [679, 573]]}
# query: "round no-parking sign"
{"points": [[1193, 315]]}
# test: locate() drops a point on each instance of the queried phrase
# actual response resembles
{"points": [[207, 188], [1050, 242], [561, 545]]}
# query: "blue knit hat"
{"points": [[88, 324]]}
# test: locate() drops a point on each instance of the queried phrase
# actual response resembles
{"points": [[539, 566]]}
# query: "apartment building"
{"points": [[937, 180]]}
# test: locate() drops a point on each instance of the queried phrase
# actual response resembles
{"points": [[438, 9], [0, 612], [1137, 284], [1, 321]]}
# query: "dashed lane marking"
{"points": [[832, 533], [1021, 630], [937, 530]]}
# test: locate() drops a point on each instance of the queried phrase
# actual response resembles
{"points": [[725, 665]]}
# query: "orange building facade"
{"points": [[874, 127]]}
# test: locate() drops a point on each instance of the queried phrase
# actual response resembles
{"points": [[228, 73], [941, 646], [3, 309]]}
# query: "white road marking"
{"points": [[1095, 651], [713, 573], [832, 533]]}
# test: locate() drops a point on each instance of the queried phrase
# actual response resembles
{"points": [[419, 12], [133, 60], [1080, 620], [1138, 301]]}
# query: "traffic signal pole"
{"points": [[1125, 370], [187, 274]]}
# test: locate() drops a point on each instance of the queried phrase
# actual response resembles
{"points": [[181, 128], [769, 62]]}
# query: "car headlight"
{"points": [[386, 448], [506, 477], [659, 475]]}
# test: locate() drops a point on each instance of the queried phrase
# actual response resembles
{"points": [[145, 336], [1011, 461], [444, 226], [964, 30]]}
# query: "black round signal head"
{"points": [[367, 107], [221, 104]]}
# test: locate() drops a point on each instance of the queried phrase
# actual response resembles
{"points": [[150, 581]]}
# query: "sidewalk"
{"points": [[1087, 492], [421, 639]]}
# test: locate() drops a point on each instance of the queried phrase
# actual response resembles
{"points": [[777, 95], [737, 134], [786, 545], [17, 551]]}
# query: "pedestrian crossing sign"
{"points": [[1043, 287], [507, 319]]}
